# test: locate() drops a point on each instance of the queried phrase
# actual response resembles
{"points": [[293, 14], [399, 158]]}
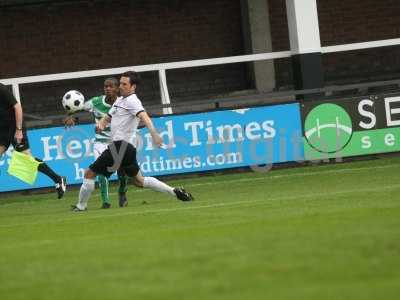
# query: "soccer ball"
{"points": [[73, 101]]}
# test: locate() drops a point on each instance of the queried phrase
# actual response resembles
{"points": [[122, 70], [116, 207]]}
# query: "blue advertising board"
{"points": [[193, 143]]}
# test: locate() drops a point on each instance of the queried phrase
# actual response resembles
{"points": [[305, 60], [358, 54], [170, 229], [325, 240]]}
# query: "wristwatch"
{"points": [[19, 128]]}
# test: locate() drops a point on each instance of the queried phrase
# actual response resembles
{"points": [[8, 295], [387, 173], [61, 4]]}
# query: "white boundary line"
{"points": [[193, 206], [189, 206], [300, 174]]}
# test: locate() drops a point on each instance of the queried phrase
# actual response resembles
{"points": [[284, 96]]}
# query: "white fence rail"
{"points": [[360, 46], [161, 68]]}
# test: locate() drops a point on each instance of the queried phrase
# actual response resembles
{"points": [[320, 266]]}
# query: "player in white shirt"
{"points": [[124, 116], [99, 106]]}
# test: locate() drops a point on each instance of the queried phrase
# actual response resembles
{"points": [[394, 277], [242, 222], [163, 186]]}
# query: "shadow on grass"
{"points": [[27, 196]]}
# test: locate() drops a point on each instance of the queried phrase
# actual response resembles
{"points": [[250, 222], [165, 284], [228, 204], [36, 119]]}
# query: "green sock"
{"points": [[123, 184], [103, 182]]}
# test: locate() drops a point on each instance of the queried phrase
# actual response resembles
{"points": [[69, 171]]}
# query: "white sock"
{"points": [[87, 188], [157, 185]]}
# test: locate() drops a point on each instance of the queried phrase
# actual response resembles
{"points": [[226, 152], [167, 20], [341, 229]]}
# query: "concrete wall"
{"points": [[257, 39]]}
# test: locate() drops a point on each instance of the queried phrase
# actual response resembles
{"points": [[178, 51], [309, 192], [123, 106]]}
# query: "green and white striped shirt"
{"points": [[99, 107]]}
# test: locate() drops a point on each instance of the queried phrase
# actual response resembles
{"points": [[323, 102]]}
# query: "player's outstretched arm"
{"points": [[103, 123], [18, 121], [144, 117], [71, 120]]}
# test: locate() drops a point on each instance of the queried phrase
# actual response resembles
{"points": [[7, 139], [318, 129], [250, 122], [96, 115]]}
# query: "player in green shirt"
{"points": [[99, 107]]}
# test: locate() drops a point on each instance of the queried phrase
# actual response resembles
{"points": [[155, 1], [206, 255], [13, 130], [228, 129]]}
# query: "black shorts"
{"points": [[7, 138], [119, 156]]}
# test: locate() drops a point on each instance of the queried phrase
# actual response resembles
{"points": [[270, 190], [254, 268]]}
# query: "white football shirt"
{"points": [[124, 119]]}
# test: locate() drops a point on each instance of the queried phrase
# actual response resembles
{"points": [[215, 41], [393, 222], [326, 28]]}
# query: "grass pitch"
{"points": [[322, 232]]}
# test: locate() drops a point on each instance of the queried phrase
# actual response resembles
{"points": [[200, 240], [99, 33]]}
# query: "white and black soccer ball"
{"points": [[73, 101]]}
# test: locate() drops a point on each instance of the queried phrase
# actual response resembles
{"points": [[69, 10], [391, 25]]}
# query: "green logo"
{"points": [[328, 128]]}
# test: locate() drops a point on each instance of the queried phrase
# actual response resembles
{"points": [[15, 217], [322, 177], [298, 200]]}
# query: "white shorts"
{"points": [[98, 149]]}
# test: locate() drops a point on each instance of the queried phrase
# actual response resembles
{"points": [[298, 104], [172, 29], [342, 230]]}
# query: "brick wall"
{"points": [[342, 22], [86, 35], [360, 21], [54, 38]]}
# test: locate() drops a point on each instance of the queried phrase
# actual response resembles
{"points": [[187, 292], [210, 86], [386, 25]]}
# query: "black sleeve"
{"points": [[6, 96]]}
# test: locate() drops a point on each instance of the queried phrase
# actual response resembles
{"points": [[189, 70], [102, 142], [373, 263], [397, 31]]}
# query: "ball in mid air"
{"points": [[73, 101]]}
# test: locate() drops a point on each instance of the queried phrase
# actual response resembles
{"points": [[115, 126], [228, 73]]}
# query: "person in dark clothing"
{"points": [[13, 132]]}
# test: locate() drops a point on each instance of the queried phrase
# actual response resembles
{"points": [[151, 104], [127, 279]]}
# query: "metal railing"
{"points": [[162, 67]]}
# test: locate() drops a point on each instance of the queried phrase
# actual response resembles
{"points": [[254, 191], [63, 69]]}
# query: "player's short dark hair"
{"points": [[134, 77], [113, 80]]}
